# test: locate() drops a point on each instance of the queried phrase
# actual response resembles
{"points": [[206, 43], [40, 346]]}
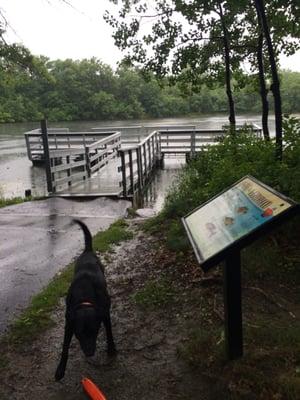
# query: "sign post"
{"points": [[233, 306], [220, 228]]}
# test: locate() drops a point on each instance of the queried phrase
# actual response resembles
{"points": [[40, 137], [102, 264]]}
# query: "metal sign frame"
{"points": [[246, 239], [231, 254]]}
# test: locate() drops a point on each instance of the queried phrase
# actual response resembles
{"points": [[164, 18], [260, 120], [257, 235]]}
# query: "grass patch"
{"points": [[269, 369], [17, 200], [281, 256], [37, 317], [115, 234], [203, 348], [155, 294], [155, 224], [3, 362], [290, 387], [13, 200]]}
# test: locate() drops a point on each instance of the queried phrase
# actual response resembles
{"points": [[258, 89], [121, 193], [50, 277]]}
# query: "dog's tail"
{"points": [[87, 235]]}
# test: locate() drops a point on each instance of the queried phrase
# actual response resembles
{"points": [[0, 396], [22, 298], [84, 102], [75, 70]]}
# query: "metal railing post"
{"points": [[87, 161], [123, 168], [131, 171], [140, 167], [69, 170], [193, 143], [46, 155], [149, 154], [145, 161], [28, 147]]}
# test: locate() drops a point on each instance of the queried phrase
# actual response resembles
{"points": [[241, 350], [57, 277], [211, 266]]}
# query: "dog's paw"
{"points": [[60, 373]]}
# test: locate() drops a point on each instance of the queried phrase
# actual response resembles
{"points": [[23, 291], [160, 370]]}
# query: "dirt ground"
{"points": [[147, 365]]}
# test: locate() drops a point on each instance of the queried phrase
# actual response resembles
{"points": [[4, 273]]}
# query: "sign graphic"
{"points": [[232, 215]]}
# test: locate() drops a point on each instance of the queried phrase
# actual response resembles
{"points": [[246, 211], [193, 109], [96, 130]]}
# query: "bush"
{"points": [[219, 166]]}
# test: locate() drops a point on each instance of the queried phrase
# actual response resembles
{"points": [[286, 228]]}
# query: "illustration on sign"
{"points": [[233, 214]]}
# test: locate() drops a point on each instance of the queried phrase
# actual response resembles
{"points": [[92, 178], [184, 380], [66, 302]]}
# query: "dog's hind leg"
{"points": [[111, 348], [60, 371]]}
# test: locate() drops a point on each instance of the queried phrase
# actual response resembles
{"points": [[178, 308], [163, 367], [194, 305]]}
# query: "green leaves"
{"points": [[221, 165]]}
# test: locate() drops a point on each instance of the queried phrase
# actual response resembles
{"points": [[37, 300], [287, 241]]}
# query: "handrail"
{"points": [[104, 141], [67, 133], [70, 165], [77, 155], [138, 162]]}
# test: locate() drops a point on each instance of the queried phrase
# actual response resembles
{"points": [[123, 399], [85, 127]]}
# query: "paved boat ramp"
{"points": [[104, 167]]}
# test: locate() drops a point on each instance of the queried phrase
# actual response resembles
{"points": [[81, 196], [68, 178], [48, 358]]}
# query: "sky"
{"points": [[57, 30]]}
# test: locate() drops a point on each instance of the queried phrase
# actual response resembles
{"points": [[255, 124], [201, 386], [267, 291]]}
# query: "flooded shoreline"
{"points": [[17, 173]]}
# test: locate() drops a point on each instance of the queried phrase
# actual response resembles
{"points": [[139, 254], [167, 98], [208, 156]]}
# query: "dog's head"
{"points": [[86, 324]]}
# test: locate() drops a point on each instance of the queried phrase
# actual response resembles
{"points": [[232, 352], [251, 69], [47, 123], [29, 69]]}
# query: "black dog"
{"points": [[87, 305]]}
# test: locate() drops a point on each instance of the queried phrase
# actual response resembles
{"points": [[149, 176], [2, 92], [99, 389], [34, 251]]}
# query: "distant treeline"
{"points": [[90, 90]]}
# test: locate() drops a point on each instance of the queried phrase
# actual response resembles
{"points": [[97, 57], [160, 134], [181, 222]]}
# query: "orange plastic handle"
{"points": [[92, 390]]}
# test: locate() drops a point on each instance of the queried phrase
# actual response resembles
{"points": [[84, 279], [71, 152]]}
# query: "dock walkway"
{"points": [[112, 162]]}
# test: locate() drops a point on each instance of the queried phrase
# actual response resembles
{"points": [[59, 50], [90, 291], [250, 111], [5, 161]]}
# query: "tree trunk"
{"points": [[275, 87], [263, 89], [232, 120]]}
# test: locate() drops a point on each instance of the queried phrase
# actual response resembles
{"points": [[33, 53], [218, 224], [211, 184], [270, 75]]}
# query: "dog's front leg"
{"points": [[60, 371], [111, 348]]}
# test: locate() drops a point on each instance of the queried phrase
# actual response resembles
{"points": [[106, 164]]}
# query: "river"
{"points": [[18, 174]]}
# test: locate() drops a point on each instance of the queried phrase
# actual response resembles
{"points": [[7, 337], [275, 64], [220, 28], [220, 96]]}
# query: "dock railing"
{"points": [[138, 162], [67, 166], [190, 141], [72, 157], [98, 154], [58, 138], [72, 165]]}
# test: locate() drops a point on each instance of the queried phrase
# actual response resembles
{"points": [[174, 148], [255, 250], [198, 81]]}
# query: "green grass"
{"points": [[155, 294], [290, 387], [12, 201], [203, 348], [17, 200], [270, 367], [37, 317], [115, 234]]}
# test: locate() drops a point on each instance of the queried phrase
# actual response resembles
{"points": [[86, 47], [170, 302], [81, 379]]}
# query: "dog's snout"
{"points": [[88, 349], [89, 353]]}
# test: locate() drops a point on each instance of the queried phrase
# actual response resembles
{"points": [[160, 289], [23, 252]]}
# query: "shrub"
{"points": [[219, 166]]}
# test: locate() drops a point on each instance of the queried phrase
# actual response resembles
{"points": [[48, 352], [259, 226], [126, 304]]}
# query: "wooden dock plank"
{"points": [[105, 183]]}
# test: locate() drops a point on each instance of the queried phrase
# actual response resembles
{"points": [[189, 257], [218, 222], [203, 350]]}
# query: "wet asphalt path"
{"points": [[37, 240]]}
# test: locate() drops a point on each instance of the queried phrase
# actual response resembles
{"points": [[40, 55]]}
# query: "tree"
{"points": [[191, 39], [282, 21]]}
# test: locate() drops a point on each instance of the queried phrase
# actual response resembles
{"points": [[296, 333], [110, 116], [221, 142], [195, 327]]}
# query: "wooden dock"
{"points": [[112, 163]]}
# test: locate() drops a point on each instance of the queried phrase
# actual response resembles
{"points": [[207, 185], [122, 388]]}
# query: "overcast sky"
{"points": [[58, 31]]}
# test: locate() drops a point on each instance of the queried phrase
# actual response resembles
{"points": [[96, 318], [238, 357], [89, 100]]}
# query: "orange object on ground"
{"points": [[92, 390]]}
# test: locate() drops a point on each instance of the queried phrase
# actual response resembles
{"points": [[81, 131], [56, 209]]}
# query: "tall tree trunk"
{"points": [[275, 87], [263, 89], [232, 120]]}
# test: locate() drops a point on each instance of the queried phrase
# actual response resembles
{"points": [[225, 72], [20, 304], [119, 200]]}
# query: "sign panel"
{"points": [[232, 215]]}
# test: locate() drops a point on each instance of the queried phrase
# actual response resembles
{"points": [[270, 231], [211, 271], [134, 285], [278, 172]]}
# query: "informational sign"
{"points": [[232, 216]]}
